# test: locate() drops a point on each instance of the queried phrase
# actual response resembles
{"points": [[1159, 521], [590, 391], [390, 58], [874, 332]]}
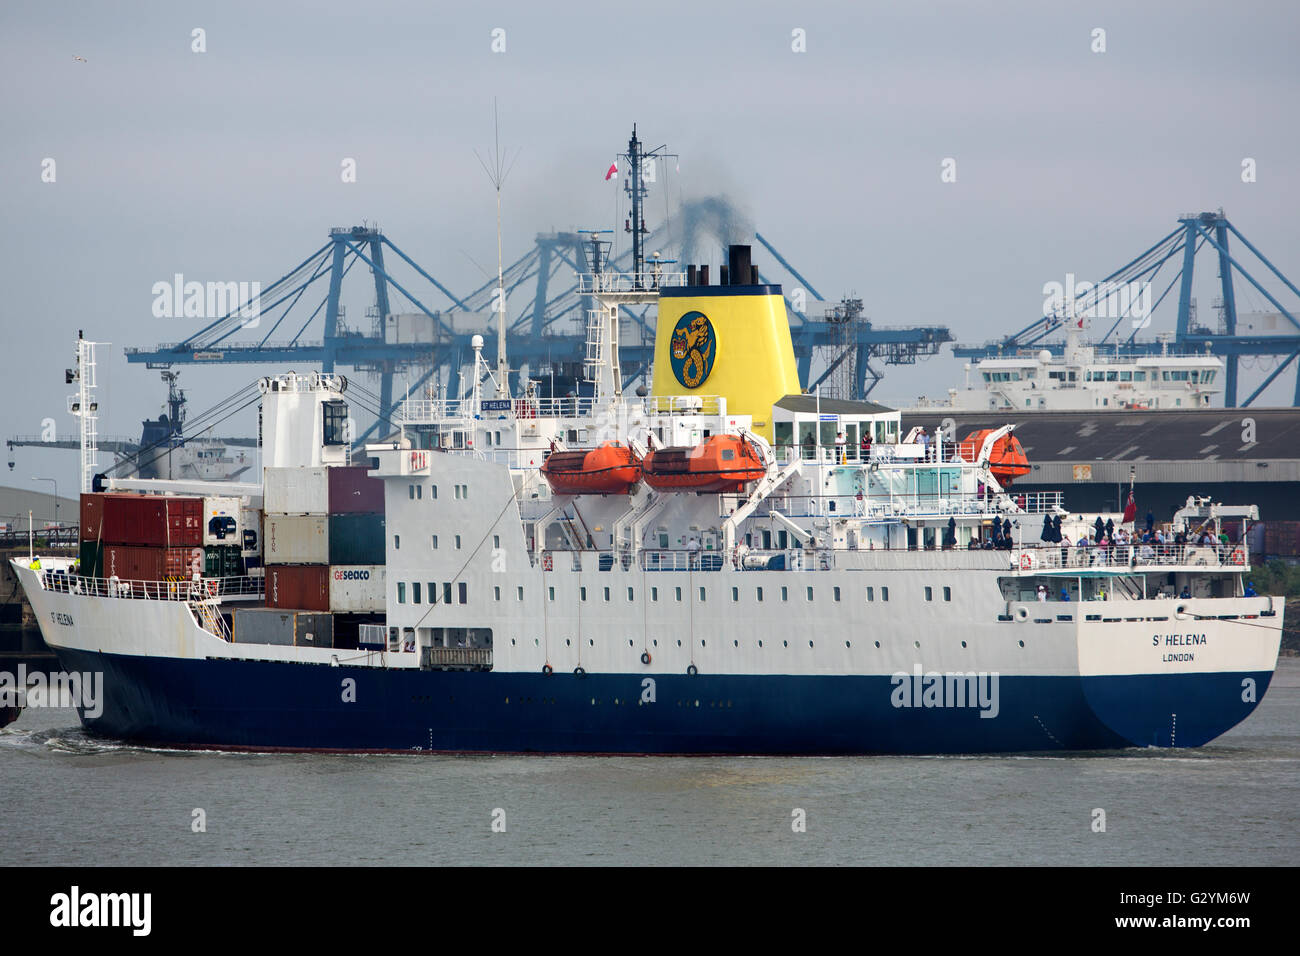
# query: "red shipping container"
{"points": [[152, 520], [352, 491], [303, 587], [132, 563], [92, 516]]}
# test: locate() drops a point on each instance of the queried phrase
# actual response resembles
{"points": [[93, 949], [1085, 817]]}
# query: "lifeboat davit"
{"points": [[610, 469], [723, 463], [1007, 460]]}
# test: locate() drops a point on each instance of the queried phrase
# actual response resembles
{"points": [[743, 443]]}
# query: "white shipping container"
{"points": [[297, 491], [357, 588], [250, 519], [296, 539], [221, 531]]}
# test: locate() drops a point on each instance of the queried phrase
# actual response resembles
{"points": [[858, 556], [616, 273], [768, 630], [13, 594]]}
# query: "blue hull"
{"points": [[260, 705]]}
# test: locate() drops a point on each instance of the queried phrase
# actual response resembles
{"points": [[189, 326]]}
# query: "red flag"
{"points": [[1130, 509], [613, 171]]}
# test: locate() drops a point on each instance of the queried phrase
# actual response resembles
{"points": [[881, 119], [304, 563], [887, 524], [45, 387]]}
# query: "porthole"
{"points": [[785, 643], [963, 643], [847, 644], [1022, 643], [810, 643], [877, 643], [916, 643], [735, 643]]}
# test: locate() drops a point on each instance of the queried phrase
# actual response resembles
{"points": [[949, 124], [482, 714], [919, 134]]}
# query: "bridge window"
{"points": [[335, 422], [462, 590]]}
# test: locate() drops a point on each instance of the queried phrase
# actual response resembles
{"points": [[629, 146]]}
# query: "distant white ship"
{"points": [[1085, 377]]}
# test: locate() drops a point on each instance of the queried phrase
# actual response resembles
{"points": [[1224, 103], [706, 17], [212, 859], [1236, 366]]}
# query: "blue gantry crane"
{"points": [[1195, 231]]}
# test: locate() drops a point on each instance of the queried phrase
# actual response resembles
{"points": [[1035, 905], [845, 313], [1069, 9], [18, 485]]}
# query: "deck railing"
{"points": [[181, 590], [1051, 557]]}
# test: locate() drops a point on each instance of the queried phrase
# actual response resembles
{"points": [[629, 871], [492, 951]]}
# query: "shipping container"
{"points": [[90, 563], [1282, 539], [297, 539], [296, 491], [353, 491], [356, 588], [223, 561], [162, 521], [356, 539], [92, 517], [221, 521], [250, 535], [286, 628], [304, 586], [135, 563]]}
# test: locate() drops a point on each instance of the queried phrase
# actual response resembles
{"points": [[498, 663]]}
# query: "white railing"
{"points": [[627, 282], [1052, 557], [183, 590], [421, 411]]}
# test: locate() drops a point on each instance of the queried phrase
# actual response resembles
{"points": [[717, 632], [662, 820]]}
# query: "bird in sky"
{"points": [[80, 59]]}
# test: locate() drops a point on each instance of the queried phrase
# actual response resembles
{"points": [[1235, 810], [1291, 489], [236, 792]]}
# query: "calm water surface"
{"points": [[73, 800]]}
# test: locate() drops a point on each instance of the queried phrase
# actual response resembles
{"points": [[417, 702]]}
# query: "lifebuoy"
{"points": [[546, 669], [1026, 562], [1020, 613], [548, 564], [1238, 557], [645, 657], [692, 670], [580, 672]]}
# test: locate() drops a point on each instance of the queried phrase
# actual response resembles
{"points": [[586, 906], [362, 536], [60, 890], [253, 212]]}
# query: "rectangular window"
{"points": [[582, 593], [871, 594], [947, 594], [415, 592], [550, 593], [446, 593], [735, 594], [419, 492], [433, 593], [758, 593], [785, 594], [397, 542], [335, 422], [496, 593], [654, 594], [702, 598], [884, 594], [435, 542], [606, 594], [410, 492], [457, 542], [401, 592], [929, 593], [519, 593], [810, 597], [837, 593], [630, 595], [496, 541], [679, 593], [433, 491]]}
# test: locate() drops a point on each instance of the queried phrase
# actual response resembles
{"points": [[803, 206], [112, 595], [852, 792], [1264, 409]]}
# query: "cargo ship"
{"points": [[723, 564]]}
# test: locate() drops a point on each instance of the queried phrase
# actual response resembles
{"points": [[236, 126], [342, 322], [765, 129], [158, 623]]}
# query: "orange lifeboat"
{"points": [[723, 463], [610, 469], [1007, 460]]}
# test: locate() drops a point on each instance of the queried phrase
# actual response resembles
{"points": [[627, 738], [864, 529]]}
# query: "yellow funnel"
{"points": [[727, 340]]}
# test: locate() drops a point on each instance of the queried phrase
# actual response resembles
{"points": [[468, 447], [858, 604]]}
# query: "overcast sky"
{"points": [[225, 165]]}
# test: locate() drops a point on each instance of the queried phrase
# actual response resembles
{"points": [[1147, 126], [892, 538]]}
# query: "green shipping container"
{"points": [[357, 539], [222, 561], [91, 559]]}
